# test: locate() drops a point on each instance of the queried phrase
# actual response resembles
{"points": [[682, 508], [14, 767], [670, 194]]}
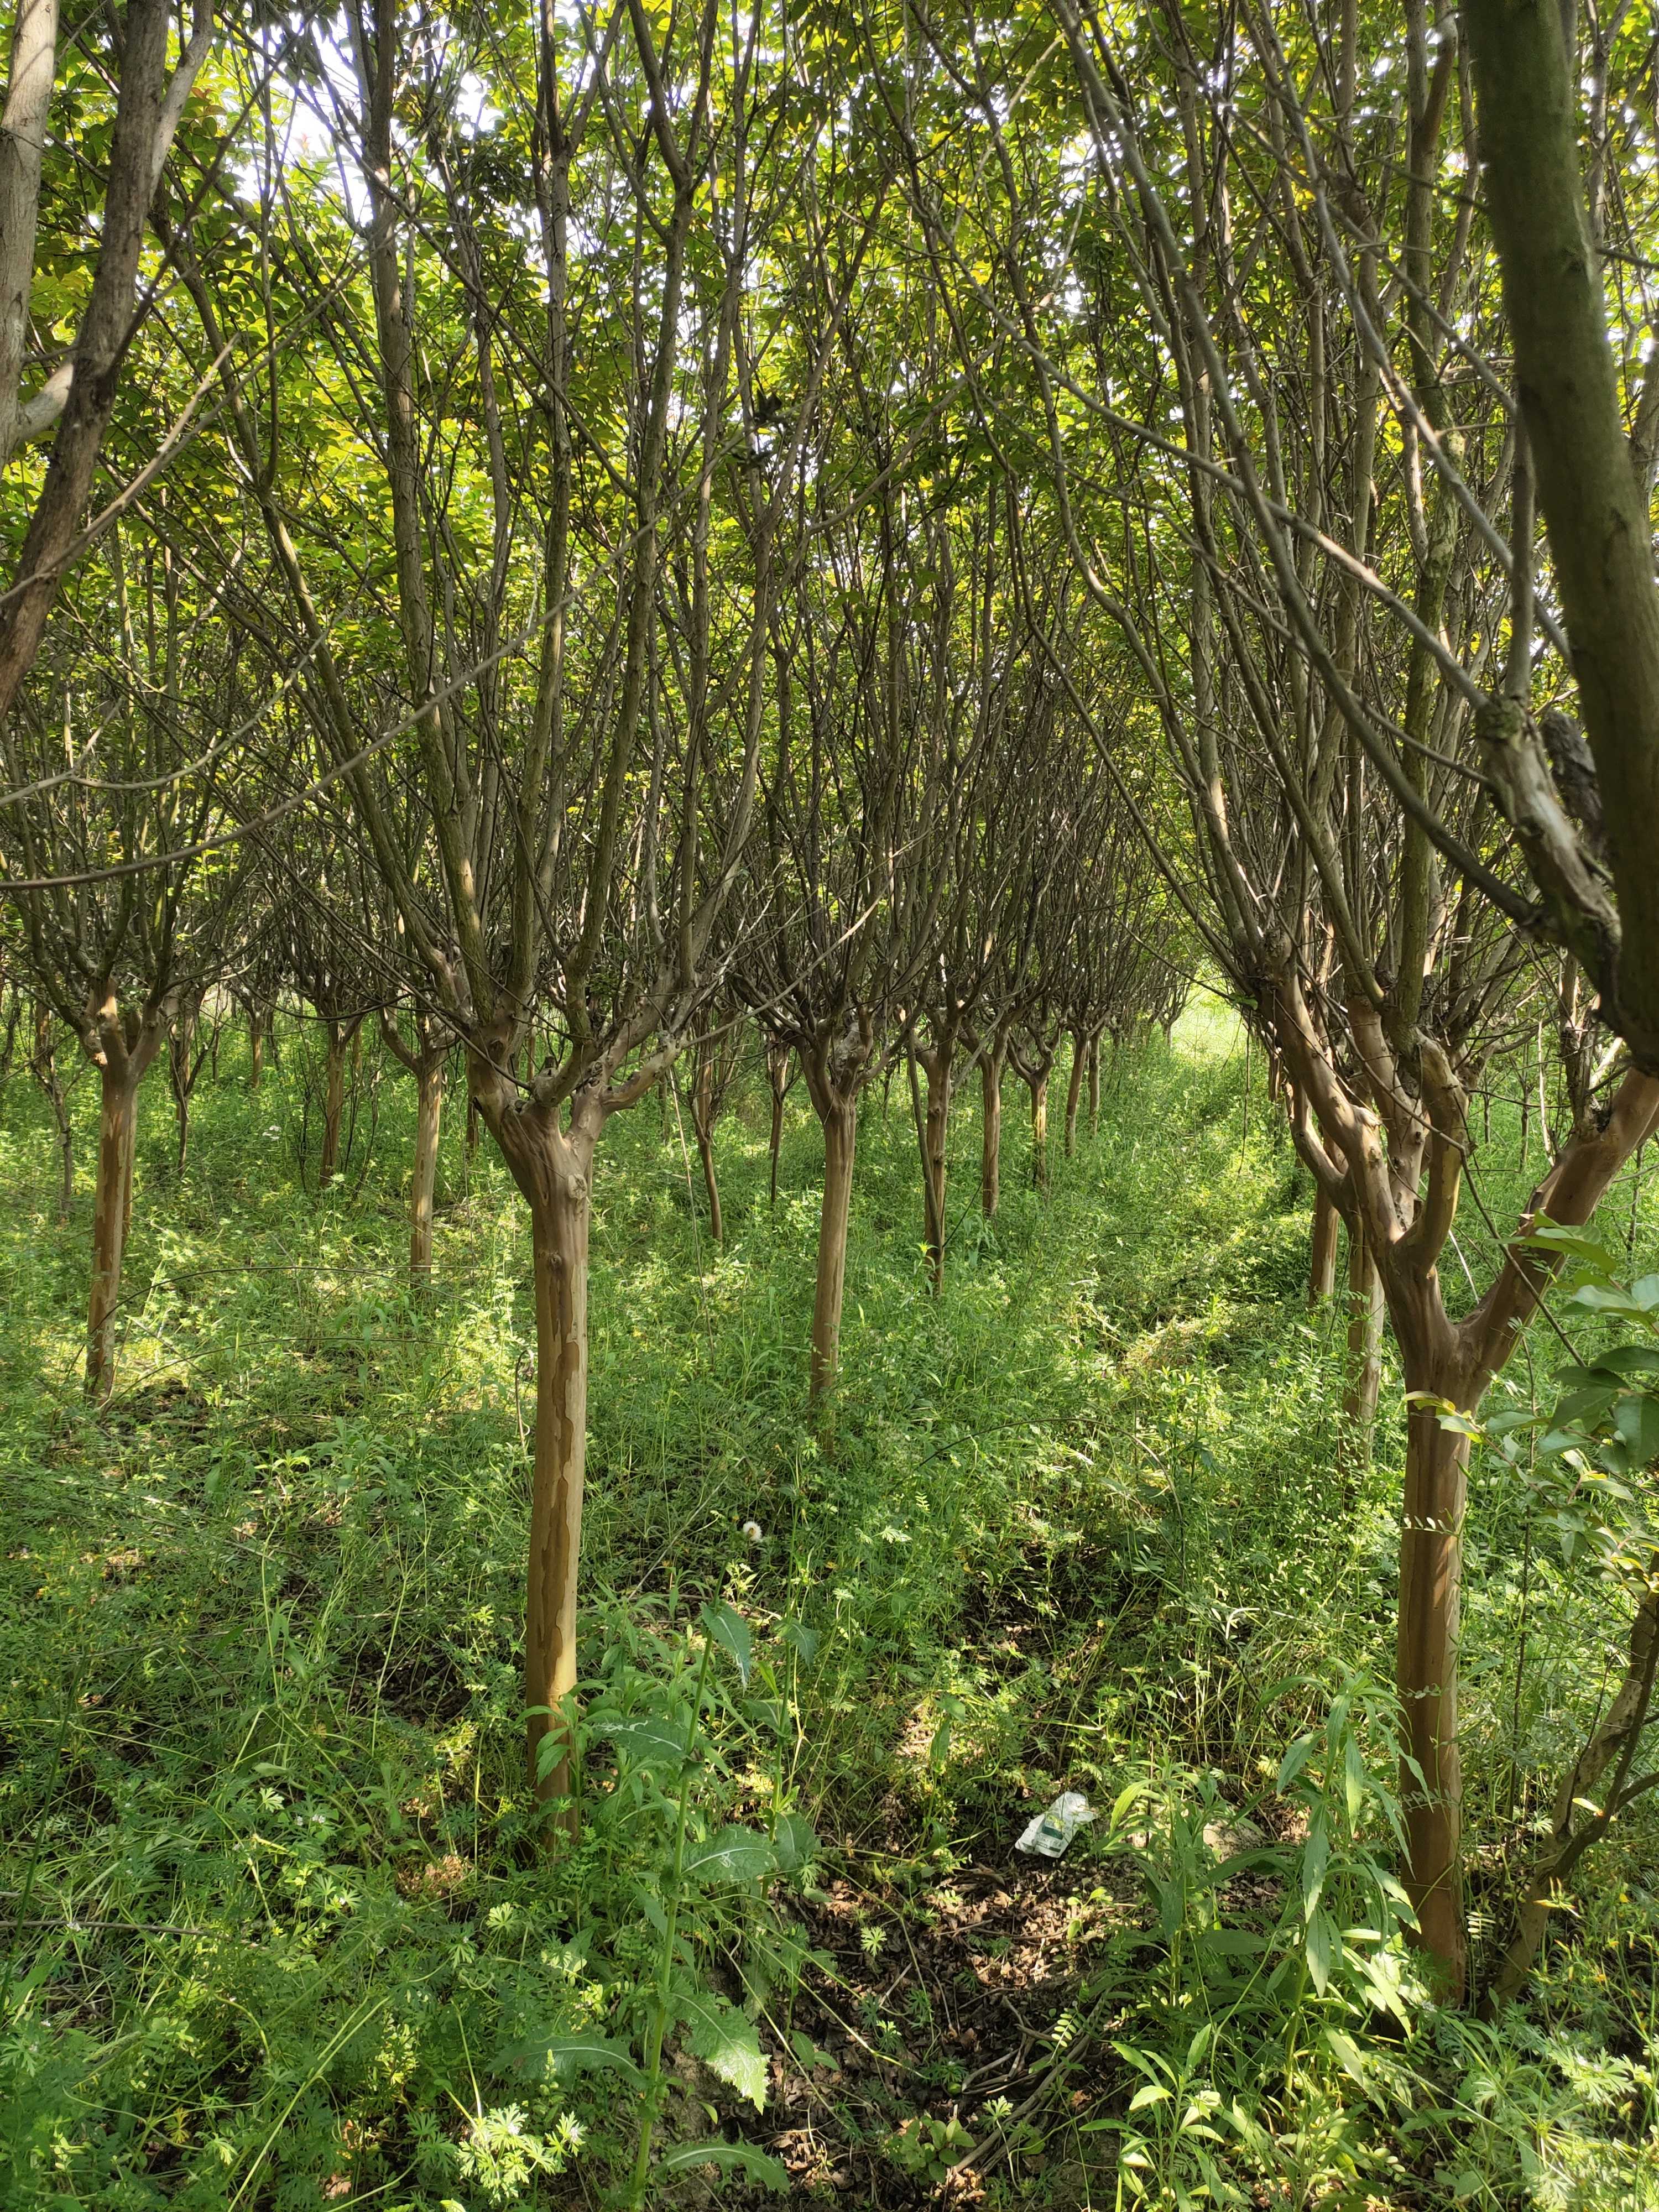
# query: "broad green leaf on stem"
{"points": [[733, 1854], [731, 2157], [795, 1844], [1322, 1949], [655, 1740], [568, 2056], [728, 1628], [726, 2041]]}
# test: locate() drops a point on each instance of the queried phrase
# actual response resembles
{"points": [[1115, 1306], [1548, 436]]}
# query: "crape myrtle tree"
{"points": [[875, 770], [324, 941], [124, 903], [591, 329], [977, 659], [1313, 580], [1117, 969]]}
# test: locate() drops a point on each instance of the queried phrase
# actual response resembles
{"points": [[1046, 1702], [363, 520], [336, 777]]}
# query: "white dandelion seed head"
{"points": [[753, 1531]]}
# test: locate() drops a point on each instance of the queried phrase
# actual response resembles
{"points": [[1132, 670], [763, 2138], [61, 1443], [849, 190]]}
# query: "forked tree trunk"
{"points": [[1365, 1379], [1094, 1085], [428, 1119], [990, 1136], [1321, 1264], [1074, 1091]]}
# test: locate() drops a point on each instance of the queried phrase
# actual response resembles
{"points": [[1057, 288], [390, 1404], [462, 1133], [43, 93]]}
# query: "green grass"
{"points": [[277, 1922]]}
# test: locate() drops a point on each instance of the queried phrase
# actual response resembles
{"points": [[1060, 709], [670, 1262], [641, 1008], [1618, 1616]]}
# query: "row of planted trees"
{"points": [[912, 534]]}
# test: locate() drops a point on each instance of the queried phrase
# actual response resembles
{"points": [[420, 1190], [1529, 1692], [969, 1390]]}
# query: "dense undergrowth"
{"points": [[276, 1928]]}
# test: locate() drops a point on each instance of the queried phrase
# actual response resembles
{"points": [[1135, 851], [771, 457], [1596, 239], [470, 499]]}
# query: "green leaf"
{"points": [[1321, 1948], [1575, 1245], [1294, 1760], [796, 1842], [1353, 1781], [734, 1855], [1347, 2054], [728, 1628], [656, 1740], [726, 2042], [1150, 2092], [731, 2157], [1637, 1419], [589, 2052], [803, 1641], [1315, 1855]]}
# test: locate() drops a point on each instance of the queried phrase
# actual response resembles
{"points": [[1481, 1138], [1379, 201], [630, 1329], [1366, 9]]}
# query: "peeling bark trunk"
{"points": [[428, 1117], [1321, 1264]]}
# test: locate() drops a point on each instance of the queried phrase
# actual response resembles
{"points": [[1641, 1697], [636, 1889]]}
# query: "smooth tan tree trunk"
{"points": [[1425, 1674], [553, 1168], [256, 1048], [990, 1139], [777, 1075], [65, 1156], [1321, 1264], [840, 1129], [933, 1132], [44, 1062], [111, 1214], [1094, 1085], [1040, 1133], [703, 1119], [333, 1103], [1074, 1093], [428, 1119], [1365, 1311]]}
